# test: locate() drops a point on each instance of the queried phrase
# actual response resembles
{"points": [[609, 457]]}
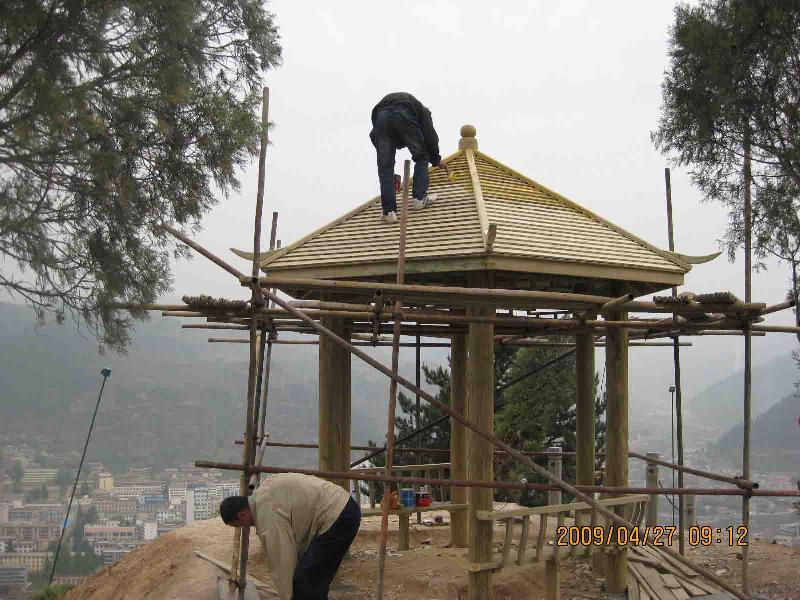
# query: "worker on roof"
{"points": [[399, 120], [305, 525]]}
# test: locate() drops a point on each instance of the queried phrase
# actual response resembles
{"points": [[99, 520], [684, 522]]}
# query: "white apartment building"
{"points": [[138, 489], [198, 505]]}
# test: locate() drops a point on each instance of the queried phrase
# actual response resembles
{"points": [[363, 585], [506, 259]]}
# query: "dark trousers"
{"points": [[317, 567], [397, 128]]}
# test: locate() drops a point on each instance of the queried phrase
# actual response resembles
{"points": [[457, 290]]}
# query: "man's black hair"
{"points": [[232, 506]]}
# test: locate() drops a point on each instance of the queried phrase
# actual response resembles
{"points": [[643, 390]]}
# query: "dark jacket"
{"points": [[420, 113]]}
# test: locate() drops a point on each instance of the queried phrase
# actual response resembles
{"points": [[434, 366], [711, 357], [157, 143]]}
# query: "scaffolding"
{"points": [[345, 315]]}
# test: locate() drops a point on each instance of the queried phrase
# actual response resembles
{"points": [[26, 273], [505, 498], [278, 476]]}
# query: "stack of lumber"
{"points": [[654, 575]]}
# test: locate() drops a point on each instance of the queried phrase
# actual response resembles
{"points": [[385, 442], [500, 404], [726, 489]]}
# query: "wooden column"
{"points": [[480, 410], [334, 401], [584, 408], [617, 440], [458, 437]]}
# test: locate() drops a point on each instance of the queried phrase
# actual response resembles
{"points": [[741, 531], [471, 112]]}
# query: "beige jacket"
{"points": [[290, 510]]}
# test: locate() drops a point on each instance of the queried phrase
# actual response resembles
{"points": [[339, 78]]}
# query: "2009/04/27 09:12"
{"points": [[698, 535]]}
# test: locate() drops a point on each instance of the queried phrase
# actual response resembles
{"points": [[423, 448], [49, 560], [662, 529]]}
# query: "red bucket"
{"points": [[423, 499]]}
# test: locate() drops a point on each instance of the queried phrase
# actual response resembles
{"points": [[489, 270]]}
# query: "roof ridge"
{"points": [[574, 205]]}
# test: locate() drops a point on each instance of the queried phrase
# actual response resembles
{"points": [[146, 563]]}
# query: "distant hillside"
{"points": [[721, 403], [775, 437], [174, 397]]}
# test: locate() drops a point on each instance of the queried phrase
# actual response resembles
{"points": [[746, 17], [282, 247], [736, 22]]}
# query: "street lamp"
{"points": [[106, 373]]}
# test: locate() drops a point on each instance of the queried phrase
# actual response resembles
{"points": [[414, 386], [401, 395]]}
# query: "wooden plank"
{"points": [[645, 591], [507, 541], [676, 566], [674, 585], [485, 515], [541, 537], [691, 587], [523, 540], [633, 588], [654, 581]]}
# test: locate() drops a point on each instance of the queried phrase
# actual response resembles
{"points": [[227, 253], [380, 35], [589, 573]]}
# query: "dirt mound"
{"points": [[168, 568]]}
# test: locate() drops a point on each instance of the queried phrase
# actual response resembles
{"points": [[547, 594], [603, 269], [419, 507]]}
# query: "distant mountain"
{"points": [[721, 403], [172, 398], [775, 437]]}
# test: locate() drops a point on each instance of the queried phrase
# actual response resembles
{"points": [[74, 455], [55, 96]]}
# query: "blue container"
{"points": [[407, 498]]}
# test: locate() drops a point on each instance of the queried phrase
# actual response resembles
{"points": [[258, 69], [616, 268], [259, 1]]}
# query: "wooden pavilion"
{"points": [[491, 227]]}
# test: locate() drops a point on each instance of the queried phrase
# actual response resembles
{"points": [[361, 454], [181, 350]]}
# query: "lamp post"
{"points": [[672, 440], [106, 373]]}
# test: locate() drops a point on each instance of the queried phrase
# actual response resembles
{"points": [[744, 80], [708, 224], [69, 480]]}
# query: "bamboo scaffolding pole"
{"points": [[613, 305], [261, 430], [748, 354], [739, 482], [498, 442], [676, 362], [502, 298], [256, 301], [401, 268], [522, 324], [778, 307], [360, 475], [199, 249]]}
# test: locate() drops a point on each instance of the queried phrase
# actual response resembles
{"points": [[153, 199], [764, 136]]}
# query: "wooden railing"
{"points": [[578, 510]]}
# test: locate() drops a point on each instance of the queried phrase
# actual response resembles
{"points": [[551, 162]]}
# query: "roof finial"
{"points": [[468, 139]]}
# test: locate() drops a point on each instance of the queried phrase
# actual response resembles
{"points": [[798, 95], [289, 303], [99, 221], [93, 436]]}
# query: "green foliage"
{"points": [[539, 412], [731, 90], [52, 592], [117, 116]]}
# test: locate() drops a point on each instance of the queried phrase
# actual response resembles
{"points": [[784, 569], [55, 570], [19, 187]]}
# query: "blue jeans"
{"points": [[397, 128], [317, 567]]}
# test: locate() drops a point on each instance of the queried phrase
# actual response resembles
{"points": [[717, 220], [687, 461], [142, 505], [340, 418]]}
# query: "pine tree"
{"points": [[117, 116]]}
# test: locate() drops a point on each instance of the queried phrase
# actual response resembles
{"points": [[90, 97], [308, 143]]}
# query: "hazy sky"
{"points": [[566, 93]]}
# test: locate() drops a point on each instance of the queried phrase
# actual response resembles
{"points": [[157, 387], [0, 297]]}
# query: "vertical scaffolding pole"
{"points": [[401, 267], [676, 359], [748, 355], [256, 301]]}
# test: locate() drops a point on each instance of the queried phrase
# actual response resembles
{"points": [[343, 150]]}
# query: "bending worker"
{"points": [[305, 525], [399, 120]]}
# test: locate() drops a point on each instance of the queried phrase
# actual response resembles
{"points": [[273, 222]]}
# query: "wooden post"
{"points": [[617, 440], [552, 577], [584, 413], [334, 401], [652, 482], [691, 516], [458, 437], [554, 466], [480, 410]]}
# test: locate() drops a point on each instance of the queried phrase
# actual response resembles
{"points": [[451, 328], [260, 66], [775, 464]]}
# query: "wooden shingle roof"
{"points": [[487, 218]]}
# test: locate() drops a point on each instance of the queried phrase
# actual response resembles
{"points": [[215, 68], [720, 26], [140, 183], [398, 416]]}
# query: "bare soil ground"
{"points": [[168, 569]]}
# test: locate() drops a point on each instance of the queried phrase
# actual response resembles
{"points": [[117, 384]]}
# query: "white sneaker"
{"points": [[390, 217], [426, 201]]}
